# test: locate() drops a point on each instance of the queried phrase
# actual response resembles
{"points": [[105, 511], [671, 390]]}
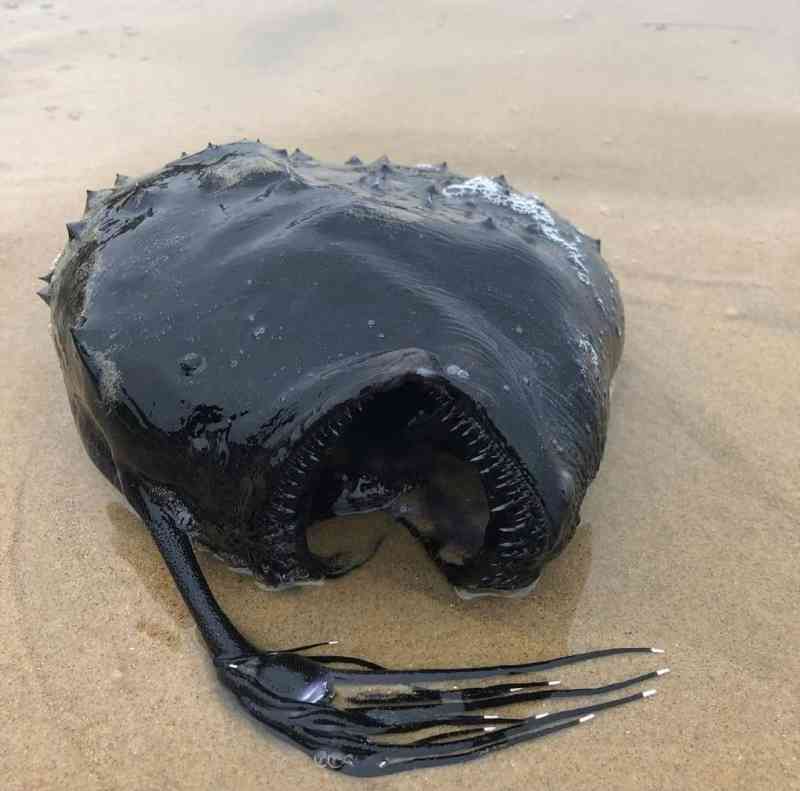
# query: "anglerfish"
{"points": [[253, 341]]}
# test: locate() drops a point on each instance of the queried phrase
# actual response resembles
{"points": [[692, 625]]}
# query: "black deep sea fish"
{"points": [[253, 341]]}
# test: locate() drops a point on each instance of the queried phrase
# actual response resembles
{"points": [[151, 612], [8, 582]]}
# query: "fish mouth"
{"points": [[397, 436]]}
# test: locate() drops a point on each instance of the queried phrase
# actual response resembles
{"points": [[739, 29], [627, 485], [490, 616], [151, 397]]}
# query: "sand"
{"points": [[672, 135]]}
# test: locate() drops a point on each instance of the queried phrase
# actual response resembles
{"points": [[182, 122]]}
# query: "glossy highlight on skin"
{"points": [[250, 337]]}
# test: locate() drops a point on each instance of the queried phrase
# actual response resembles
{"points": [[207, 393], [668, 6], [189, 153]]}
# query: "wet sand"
{"points": [[672, 135]]}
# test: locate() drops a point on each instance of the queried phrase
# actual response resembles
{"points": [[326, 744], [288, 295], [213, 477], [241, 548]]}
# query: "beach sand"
{"points": [[673, 136]]}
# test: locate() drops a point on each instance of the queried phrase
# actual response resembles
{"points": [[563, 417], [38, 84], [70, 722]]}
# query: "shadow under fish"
{"points": [[253, 342]]}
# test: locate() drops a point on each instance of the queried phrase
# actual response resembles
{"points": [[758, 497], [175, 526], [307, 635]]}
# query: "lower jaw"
{"points": [[520, 593], [518, 536]]}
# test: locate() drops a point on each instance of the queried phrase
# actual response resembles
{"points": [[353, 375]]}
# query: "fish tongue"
{"points": [[449, 513]]}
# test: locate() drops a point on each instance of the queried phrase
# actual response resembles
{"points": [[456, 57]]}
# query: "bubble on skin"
{"points": [[234, 363], [259, 331], [506, 388], [381, 335], [518, 329], [192, 364], [567, 484], [371, 323], [455, 370]]}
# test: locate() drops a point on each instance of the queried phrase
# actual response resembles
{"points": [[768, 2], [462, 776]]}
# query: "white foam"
{"points": [[588, 347], [454, 370], [110, 376], [530, 205]]}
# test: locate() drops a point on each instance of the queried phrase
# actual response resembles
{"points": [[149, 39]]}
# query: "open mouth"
{"points": [[418, 439]]}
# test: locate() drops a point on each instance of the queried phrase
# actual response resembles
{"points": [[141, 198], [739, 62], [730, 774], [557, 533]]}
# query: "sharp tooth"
{"points": [[44, 293]]}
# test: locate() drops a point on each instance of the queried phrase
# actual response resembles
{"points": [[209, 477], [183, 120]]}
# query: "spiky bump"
{"points": [[94, 198], [74, 230], [300, 156]]}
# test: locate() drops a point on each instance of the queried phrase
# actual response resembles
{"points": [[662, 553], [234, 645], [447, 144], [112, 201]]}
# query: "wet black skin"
{"points": [[245, 335]]}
